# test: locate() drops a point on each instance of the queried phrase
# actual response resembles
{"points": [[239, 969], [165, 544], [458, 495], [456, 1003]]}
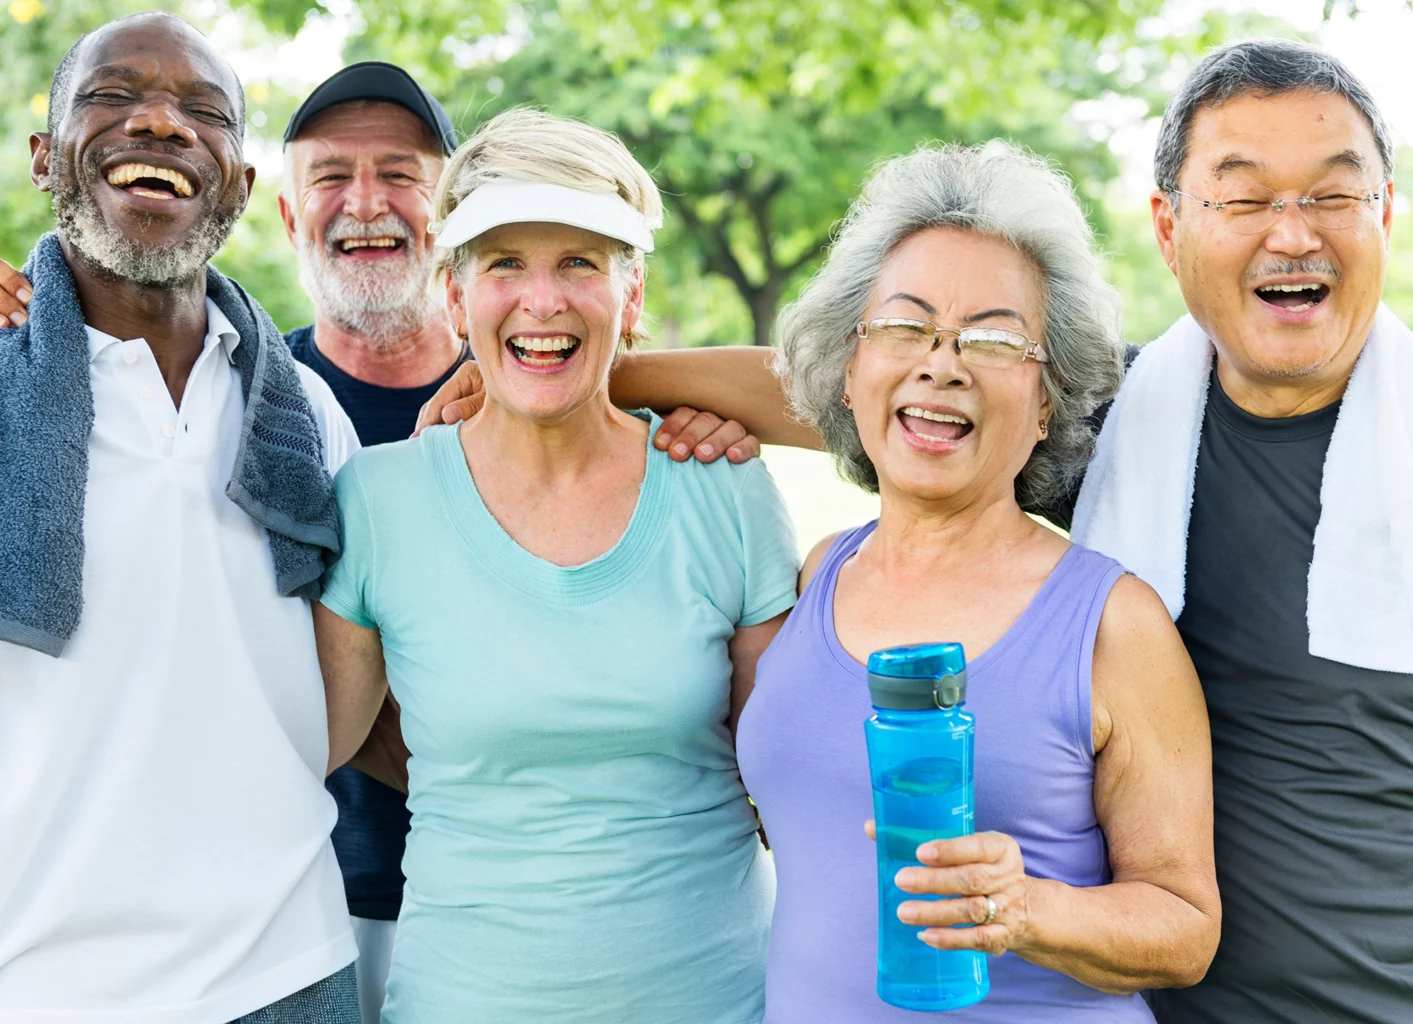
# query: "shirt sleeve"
{"points": [[348, 582], [771, 556], [336, 429]]}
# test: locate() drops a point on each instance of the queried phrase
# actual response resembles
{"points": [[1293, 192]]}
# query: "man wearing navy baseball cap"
{"points": [[362, 158]]}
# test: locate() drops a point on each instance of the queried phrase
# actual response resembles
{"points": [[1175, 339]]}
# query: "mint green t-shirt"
{"points": [[582, 848]]}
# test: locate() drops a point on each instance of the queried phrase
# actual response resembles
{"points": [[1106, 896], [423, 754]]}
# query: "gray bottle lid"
{"points": [[917, 677]]}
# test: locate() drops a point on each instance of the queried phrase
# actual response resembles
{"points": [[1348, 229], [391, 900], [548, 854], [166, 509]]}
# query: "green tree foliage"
{"points": [[758, 119]]}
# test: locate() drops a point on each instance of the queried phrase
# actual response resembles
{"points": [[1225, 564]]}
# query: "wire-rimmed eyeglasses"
{"points": [[1255, 208], [977, 346]]}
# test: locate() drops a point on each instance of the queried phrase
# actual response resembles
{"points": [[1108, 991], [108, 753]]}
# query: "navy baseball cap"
{"points": [[380, 82]]}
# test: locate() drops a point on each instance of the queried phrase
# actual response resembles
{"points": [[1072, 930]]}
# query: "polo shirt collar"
{"points": [[219, 331]]}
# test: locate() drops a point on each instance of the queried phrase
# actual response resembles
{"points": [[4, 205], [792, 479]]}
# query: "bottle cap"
{"points": [[917, 677]]}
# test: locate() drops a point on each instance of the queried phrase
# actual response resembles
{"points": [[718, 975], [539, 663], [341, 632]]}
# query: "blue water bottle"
{"points": [[920, 760]]}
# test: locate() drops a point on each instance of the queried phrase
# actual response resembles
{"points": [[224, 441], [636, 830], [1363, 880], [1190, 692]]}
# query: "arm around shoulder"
{"points": [[737, 382]]}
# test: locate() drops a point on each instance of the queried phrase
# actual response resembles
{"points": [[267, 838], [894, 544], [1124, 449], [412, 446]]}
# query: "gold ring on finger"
{"points": [[990, 910]]}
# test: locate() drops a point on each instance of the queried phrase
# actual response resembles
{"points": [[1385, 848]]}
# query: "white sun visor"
{"points": [[508, 201]]}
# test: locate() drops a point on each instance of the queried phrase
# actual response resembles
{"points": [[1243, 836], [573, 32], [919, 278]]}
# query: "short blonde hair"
{"points": [[532, 145]]}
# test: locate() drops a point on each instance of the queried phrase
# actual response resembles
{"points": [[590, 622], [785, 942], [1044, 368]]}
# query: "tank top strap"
{"points": [[1058, 631], [1067, 609], [1077, 590], [813, 613], [841, 549]]}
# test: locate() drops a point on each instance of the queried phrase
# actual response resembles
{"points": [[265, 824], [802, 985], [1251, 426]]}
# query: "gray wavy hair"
{"points": [[996, 189]]}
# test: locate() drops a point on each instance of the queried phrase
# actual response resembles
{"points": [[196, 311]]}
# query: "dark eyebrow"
{"points": [[133, 76], [127, 74], [931, 310], [992, 313], [1233, 162], [1349, 158]]}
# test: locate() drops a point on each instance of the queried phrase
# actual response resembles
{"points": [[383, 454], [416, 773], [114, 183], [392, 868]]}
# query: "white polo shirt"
{"points": [[164, 828]]}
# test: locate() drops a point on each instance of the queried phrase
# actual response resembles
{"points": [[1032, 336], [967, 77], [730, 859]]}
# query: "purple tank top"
{"points": [[800, 744]]}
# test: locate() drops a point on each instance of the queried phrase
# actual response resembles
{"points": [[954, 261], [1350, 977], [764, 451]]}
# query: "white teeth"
{"points": [[935, 417], [544, 344], [126, 174], [1288, 288], [349, 244], [1300, 308]]}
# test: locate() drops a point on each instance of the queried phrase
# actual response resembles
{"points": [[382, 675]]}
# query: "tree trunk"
{"points": [[765, 303]]}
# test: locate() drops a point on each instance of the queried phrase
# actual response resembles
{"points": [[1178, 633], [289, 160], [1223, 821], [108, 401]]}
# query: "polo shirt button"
{"points": [[145, 394], [169, 432], [129, 357]]}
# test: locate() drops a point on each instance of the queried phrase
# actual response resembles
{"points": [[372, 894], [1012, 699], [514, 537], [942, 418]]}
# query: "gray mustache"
{"points": [[345, 227], [1277, 268]]}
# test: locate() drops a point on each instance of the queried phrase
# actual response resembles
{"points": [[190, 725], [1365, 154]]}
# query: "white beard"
{"points": [[381, 301]]}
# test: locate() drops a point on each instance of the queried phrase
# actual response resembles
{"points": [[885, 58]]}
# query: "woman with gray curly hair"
{"points": [[949, 352]]}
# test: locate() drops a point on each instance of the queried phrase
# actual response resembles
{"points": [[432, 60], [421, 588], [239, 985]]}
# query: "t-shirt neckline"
{"points": [[528, 573], [326, 367], [1262, 428]]}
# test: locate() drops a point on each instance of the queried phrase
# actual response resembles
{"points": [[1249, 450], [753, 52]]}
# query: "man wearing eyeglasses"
{"points": [[1257, 470]]}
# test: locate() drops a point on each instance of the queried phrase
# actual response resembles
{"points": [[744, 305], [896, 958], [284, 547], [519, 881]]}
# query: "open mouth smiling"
{"points": [[547, 353], [150, 182], [369, 248], [1293, 298], [933, 427]]}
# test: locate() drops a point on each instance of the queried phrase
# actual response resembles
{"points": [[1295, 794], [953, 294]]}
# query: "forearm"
{"points": [[384, 755], [355, 681], [735, 382], [349, 725], [1122, 937]]}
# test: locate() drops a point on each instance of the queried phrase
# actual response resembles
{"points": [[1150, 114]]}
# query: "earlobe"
{"points": [[1164, 227], [40, 148], [287, 216], [455, 305], [1388, 213], [249, 175]]}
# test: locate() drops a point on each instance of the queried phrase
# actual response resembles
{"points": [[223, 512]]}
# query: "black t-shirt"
{"points": [[371, 833], [1312, 759]]}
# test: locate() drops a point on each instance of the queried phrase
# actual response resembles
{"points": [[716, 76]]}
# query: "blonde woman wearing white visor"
{"points": [[570, 621]]}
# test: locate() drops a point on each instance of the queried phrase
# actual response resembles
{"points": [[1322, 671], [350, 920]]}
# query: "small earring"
{"points": [[461, 334], [628, 337], [1044, 429], [848, 402]]}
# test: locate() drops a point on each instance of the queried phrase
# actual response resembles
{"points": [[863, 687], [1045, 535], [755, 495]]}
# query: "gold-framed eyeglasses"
{"points": [[1253, 209], [977, 346]]}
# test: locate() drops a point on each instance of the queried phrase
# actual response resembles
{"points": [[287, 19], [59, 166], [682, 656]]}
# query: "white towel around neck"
{"points": [[1137, 496]]}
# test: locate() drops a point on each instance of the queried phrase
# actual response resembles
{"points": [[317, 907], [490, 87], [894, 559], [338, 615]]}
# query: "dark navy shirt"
{"points": [[371, 833]]}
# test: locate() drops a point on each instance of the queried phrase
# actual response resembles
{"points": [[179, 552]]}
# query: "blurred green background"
{"points": [[758, 118]]}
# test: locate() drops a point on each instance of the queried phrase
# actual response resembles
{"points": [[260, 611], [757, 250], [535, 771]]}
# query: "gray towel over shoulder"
{"points": [[46, 417]]}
